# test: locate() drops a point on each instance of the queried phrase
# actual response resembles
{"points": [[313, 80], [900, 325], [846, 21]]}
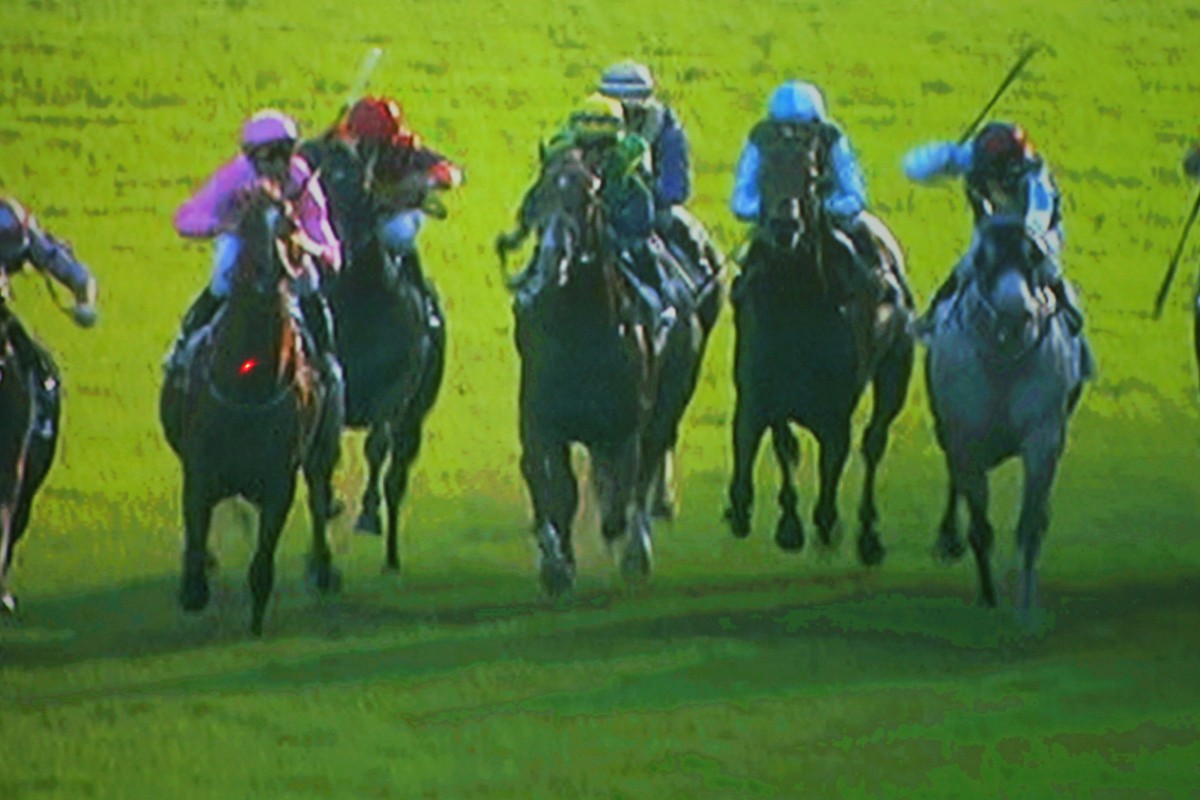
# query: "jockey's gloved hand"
{"points": [[1191, 164], [664, 218], [84, 314]]}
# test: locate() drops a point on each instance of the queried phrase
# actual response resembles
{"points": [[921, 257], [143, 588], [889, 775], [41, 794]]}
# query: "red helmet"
{"points": [[375, 119], [1001, 149]]}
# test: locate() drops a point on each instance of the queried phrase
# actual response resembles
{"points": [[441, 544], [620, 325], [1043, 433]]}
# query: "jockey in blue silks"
{"points": [[754, 193], [1004, 175]]}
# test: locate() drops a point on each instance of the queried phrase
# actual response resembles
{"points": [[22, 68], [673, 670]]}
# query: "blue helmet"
{"points": [[797, 101], [627, 80], [14, 233]]}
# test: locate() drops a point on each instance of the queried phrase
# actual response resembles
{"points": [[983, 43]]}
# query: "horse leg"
{"points": [[197, 516], [262, 566], [890, 389], [834, 445], [662, 498], [559, 498], [318, 473], [1040, 465], [640, 461], [789, 534], [406, 444], [8, 603], [949, 546], [974, 485], [376, 450], [748, 429]]}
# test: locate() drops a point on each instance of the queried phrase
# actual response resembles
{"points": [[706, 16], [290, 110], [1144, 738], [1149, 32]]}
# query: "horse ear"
{"points": [[541, 152]]}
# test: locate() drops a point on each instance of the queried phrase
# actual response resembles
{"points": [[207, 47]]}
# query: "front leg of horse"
{"points": [[748, 429], [662, 494], [197, 516], [406, 444], [262, 565], [8, 601], [323, 576], [975, 487], [552, 484], [1041, 464], [789, 534], [376, 450], [949, 546], [834, 447], [890, 389]]}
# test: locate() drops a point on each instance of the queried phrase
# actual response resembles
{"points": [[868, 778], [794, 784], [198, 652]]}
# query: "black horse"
{"points": [[808, 342], [25, 454], [250, 411], [590, 375], [391, 339]]}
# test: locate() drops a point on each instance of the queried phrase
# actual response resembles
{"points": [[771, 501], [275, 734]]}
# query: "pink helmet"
{"points": [[268, 126]]}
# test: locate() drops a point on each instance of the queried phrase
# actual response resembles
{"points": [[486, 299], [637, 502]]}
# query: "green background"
{"points": [[740, 672]]}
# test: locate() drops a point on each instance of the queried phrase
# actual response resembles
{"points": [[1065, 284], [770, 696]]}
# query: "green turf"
{"points": [[741, 672]]}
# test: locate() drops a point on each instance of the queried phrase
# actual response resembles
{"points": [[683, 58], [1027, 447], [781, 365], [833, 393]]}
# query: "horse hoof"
{"points": [[830, 536], [8, 605], [325, 579], [210, 562], [949, 549], [739, 523], [790, 535], [637, 563], [870, 550], [369, 524], [337, 507], [557, 577], [194, 598], [664, 510]]}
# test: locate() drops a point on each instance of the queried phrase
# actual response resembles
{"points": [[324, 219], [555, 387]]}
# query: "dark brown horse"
{"points": [[589, 376], [249, 412], [25, 455], [808, 343]]}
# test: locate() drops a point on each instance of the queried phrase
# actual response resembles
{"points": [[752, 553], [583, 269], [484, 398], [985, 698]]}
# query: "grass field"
{"points": [[740, 672]]}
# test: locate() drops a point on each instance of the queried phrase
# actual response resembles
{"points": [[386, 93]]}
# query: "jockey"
{"points": [[1004, 175], [268, 155], [618, 158], [396, 177], [22, 241], [799, 103]]}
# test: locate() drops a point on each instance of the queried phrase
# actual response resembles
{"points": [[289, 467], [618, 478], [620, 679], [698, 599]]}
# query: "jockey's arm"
{"points": [[315, 234], [1043, 219], [747, 199], [931, 161], [55, 258], [206, 213], [672, 161], [849, 195]]}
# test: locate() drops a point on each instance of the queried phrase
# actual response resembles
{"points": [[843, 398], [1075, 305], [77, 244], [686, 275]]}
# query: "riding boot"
{"points": [[412, 272], [43, 375], [319, 322], [1065, 297], [647, 281], [925, 323], [199, 314]]}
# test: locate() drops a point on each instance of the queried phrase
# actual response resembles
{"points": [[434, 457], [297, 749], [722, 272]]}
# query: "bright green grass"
{"points": [[740, 672]]}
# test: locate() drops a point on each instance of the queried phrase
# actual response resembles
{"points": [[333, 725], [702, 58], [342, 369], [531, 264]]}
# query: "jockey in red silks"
{"points": [[269, 157]]}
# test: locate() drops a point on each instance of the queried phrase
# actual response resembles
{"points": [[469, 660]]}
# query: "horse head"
{"points": [[1012, 311], [797, 216], [569, 217], [265, 222]]}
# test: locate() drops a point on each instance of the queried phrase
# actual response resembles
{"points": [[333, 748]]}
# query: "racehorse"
{"points": [[25, 454], [391, 339], [250, 410], [806, 347], [1004, 375], [590, 375]]}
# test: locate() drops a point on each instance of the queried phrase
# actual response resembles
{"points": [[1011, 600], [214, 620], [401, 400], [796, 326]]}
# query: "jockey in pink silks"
{"points": [[269, 140]]}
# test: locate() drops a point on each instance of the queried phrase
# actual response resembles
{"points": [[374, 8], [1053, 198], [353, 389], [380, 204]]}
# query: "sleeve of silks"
{"points": [[674, 183], [57, 259], [1042, 218], [205, 214], [312, 212], [930, 161], [849, 196], [746, 198]]}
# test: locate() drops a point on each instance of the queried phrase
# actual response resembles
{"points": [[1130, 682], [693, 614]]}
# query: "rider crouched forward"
{"points": [[618, 159], [268, 158]]}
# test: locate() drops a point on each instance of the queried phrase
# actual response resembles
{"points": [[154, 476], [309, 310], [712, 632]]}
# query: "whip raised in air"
{"points": [[369, 63], [1174, 265], [1008, 79]]}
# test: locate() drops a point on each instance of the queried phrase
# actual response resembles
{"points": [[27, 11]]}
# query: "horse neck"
{"points": [[253, 343]]}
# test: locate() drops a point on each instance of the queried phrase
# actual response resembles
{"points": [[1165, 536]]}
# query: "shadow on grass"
{"points": [[749, 638]]}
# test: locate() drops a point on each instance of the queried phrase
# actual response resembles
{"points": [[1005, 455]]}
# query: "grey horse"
{"points": [[1004, 375]]}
